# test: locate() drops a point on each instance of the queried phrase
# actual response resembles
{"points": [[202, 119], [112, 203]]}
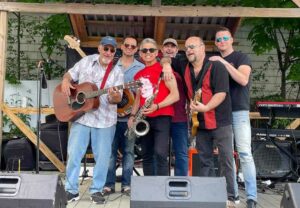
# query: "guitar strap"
{"points": [[108, 70], [188, 80]]}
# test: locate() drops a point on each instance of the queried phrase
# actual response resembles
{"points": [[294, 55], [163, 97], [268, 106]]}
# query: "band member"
{"points": [[214, 109], [159, 95], [98, 125], [238, 66], [179, 125], [130, 67]]}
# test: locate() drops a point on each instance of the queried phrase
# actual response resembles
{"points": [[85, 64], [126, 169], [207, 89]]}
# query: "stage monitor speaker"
{"points": [[177, 192], [269, 160], [291, 197], [31, 191]]}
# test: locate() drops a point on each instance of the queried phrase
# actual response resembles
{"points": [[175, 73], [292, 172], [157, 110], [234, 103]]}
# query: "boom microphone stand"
{"points": [[42, 84]]}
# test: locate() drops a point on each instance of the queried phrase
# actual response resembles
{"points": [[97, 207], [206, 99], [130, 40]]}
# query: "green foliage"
{"points": [[25, 29]]}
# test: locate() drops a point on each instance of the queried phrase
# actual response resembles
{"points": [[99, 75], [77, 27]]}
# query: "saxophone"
{"points": [[140, 126]]}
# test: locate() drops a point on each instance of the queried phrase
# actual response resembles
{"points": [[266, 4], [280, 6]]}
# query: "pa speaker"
{"points": [[291, 197], [270, 161], [177, 192], [31, 191]]}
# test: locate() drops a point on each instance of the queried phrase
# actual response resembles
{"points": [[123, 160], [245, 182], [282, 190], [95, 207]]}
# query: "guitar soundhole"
{"points": [[124, 101], [80, 98]]}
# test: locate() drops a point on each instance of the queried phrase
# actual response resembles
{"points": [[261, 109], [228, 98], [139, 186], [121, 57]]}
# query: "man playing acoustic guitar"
{"points": [[99, 124]]}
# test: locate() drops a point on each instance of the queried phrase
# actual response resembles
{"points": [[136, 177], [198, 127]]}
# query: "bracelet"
{"points": [[157, 106]]}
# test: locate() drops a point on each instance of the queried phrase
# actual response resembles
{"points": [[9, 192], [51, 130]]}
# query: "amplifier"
{"points": [[269, 160]]}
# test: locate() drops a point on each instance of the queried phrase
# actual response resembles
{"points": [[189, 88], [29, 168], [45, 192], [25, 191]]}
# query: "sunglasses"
{"points": [[130, 46], [145, 50], [112, 50], [224, 38], [192, 46]]}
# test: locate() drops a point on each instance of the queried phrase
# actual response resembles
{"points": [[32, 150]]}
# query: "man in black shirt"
{"points": [[214, 108], [238, 66]]}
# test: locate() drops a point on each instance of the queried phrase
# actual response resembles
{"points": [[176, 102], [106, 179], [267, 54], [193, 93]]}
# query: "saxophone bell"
{"points": [[141, 128]]}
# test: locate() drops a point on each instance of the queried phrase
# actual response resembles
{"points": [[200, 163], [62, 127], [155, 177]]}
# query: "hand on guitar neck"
{"points": [[194, 118]]}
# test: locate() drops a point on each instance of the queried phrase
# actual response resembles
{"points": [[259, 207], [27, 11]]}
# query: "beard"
{"points": [[105, 60], [191, 58]]}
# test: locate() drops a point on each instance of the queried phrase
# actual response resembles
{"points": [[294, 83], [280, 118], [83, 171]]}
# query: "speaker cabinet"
{"points": [[55, 135], [269, 160], [31, 191], [291, 197], [177, 192]]}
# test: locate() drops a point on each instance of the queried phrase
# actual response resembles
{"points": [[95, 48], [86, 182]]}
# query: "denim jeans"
{"points": [[242, 137], [127, 149], [101, 140], [179, 135]]}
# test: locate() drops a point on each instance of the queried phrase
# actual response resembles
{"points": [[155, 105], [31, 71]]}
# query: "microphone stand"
{"points": [[42, 84]]}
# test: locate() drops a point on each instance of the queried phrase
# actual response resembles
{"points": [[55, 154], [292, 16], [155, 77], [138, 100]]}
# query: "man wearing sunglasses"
{"points": [[214, 108], [98, 125], [179, 125], [238, 66], [130, 67]]}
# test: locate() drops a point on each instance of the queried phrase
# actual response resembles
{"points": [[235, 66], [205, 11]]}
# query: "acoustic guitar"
{"points": [[83, 98], [194, 114], [125, 106]]}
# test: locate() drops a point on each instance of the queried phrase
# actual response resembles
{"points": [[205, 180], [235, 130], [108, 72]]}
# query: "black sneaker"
{"points": [[98, 198], [72, 197], [251, 203]]}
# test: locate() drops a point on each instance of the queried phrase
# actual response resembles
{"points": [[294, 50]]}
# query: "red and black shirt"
{"points": [[215, 79]]}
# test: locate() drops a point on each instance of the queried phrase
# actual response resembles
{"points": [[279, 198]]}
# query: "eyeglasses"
{"points": [[145, 50], [130, 46], [112, 50], [192, 46], [224, 38]]}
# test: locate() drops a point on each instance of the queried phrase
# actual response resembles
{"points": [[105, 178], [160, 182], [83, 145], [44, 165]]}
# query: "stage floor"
{"points": [[267, 198]]}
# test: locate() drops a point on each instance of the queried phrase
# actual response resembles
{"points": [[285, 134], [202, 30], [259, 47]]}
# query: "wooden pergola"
{"points": [[75, 10]]}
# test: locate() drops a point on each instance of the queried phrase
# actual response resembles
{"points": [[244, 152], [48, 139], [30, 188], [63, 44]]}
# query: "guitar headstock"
{"points": [[133, 85], [74, 42]]}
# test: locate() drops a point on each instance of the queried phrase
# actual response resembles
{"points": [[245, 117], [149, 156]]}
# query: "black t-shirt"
{"points": [[215, 79], [240, 97]]}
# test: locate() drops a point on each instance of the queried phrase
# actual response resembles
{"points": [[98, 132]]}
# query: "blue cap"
{"points": [[108, 40]]}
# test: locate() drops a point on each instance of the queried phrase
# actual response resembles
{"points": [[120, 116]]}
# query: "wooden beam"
{"points": [[294, 124], [31, 110], [32, 137], [297, 2], [78, 25], [147, 10], [3, 45], [159, 29]]}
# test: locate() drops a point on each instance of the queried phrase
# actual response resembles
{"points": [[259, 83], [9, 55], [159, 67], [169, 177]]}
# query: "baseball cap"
{"points": [[108, 40], [170, 40]]}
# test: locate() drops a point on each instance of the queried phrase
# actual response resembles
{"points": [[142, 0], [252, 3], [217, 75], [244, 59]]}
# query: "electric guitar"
{"points": [[194, 114], [83, 98], [125, 106]]}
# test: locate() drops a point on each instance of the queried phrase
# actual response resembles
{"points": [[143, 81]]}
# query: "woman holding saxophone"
{"points": [[159, 95]]}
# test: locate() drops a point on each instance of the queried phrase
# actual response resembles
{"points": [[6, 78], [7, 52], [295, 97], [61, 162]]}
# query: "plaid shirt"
{"points": [[89, 69]]}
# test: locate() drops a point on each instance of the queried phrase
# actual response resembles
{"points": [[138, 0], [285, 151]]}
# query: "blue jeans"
{"points": [[126, 147], [242, 136], [179, 135], [101, 140]]}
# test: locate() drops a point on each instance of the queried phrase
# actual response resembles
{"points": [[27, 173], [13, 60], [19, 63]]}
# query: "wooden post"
{"points": [[3, 38], [159, 31]]}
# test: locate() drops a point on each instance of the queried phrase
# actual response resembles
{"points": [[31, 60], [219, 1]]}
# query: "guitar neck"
{"points": [[82, 54], [103, 91]]}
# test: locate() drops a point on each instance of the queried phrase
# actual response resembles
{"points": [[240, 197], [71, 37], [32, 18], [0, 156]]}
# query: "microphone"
{"points": [[43, 80]]}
